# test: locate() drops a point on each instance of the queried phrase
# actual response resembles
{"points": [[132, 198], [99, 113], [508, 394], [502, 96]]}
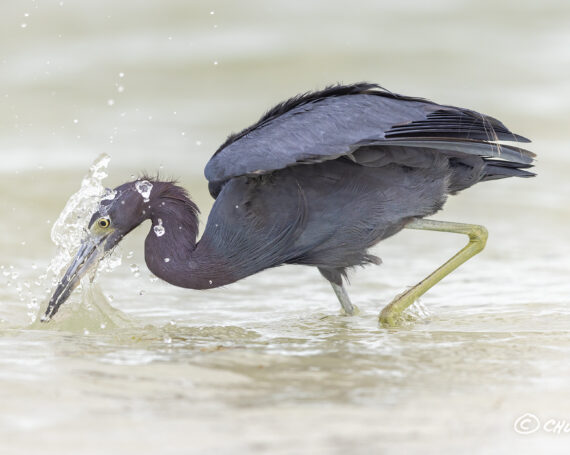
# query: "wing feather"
{"points": [[326, 125]]}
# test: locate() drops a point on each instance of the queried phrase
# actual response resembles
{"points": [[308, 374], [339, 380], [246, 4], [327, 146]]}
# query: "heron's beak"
{"points": [[88, 256]]}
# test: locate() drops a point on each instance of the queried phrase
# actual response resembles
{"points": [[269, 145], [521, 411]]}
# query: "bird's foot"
{"points": [[352, 311], [392, 314]]}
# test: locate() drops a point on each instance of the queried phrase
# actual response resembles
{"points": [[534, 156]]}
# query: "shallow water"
{"points": [[133, 365]]}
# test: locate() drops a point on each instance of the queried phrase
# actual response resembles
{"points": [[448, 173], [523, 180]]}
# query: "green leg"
{"points": [[477, 239]]}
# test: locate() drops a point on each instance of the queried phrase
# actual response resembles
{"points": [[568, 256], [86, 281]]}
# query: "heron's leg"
{"points": [[343, 298], [334, 277], [477, 239]]}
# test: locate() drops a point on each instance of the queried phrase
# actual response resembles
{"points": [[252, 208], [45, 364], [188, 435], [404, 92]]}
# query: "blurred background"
{"points": [[163, 82], [158, 85]]}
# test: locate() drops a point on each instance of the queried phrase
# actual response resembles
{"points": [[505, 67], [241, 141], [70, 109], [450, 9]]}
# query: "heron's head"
{"points": [[118, 214]]}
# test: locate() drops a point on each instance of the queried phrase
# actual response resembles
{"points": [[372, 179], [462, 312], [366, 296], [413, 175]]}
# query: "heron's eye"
{"points": [[104, 222]]}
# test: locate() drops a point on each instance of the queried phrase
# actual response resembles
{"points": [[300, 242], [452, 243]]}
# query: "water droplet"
{"points": [[85, 332], [24, 25], [167, 339], [159, 228], [212, 13], [110, 102], [120, 89], [121, 74], [237, 206], [130, 254], [103, 325], [144, 187], [108, 195], [75, 121], [166, 259], [198, 143], [210, 281], [135, 270]]}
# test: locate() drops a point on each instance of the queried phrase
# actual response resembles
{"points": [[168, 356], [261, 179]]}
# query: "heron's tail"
{"points": [[495, 169], [470, 170]]}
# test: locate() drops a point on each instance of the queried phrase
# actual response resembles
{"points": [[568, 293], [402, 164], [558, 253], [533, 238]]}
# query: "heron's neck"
{"points": [[170, 247]]}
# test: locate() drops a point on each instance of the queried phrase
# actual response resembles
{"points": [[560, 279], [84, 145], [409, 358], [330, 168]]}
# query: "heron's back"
{"points": [[324, 176]]}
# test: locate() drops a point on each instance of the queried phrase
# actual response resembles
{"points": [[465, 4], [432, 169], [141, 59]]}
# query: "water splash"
{"points": [[144, 187], [108, 195], [67, 234], [135, 270], [90, 313], [70, 226]]}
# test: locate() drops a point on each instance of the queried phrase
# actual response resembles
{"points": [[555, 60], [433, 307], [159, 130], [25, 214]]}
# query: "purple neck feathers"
{"points": [[170, 247]]}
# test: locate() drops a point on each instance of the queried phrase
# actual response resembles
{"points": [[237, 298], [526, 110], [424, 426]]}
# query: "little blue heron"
{"points": [[317, 181]]}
